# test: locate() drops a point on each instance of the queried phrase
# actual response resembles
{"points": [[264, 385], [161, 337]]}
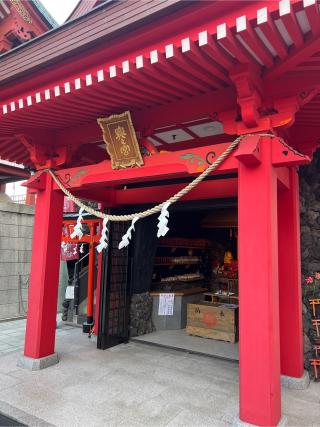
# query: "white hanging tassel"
{"points": [[81, 250], [163, 221], [103, 242], [126, 237], [75, 250], [77, 231]]}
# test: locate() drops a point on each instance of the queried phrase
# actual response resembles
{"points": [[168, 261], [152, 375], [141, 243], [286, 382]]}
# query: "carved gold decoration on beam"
{"points": [[22, 10]]}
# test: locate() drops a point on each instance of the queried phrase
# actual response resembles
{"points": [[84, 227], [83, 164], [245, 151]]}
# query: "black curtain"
{"points": [[144, 250]]}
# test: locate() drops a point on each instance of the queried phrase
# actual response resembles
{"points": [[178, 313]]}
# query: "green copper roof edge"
{"points": [[43, 11]]}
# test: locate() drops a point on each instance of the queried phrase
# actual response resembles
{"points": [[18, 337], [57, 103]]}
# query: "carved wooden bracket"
{"points": [[260, 112], [36, 181], [44, 157], [284, 155], [248, 87], [248, 152]]}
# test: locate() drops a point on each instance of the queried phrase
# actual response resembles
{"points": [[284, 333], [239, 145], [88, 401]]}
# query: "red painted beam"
{"points": [[214, 189], [271, 33], [247, 34], [159, 166], [313, 15], [147, 120], [297, 57], [284, 155], [12, 170], [291, 24]]}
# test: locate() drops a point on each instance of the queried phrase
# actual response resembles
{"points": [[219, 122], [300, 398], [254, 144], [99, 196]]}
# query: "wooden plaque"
{"points": [[120, 138]]}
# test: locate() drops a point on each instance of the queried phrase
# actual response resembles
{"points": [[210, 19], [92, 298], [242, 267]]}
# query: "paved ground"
{"points": [[178, 339], [129, 385], [12, 335]]}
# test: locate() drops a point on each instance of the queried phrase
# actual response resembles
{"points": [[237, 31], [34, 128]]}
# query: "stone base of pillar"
{"points": [[37, 364], [296, 383], [239, 423]]}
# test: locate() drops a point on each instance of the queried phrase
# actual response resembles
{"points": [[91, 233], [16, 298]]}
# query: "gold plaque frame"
{"points": [[121, 141]]}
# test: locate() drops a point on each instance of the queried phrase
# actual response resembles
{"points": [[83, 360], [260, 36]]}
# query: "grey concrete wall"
{"points": [[16, 227]]}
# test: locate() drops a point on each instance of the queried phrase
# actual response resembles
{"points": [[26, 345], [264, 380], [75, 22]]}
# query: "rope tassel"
{"points": [[163, 221], [127, 237], [103, 242], [77, 231]]}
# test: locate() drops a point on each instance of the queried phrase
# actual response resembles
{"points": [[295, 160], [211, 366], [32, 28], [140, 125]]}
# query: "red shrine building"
{"points": [[21, 21], [195, 76]]}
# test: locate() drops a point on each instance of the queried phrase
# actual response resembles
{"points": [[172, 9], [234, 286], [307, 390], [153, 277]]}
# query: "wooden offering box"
{"points": [[213, 320]]}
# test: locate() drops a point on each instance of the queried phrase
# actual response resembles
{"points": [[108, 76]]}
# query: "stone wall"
{"points": [[310, 243], [16, 224], [141, 314]]}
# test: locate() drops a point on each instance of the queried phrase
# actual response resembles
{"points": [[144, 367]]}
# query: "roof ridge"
{"points": [[44, 12]]}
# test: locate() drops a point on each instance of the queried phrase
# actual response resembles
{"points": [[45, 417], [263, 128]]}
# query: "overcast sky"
{"points": [[59, 9]]}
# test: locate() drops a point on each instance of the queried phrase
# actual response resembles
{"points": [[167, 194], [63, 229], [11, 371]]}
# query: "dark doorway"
{"points": [[115, 291]]}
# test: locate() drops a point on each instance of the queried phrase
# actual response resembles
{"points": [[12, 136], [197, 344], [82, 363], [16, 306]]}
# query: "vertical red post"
{"points": [[30, 197], [290, 299], [101, 206], [259, 358], [44, 279], [98, 290], [90, 296]]}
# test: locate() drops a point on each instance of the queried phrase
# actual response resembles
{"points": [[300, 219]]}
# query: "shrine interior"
{"points": [[195, 265]]}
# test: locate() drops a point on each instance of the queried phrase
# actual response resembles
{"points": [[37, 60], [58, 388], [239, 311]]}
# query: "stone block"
{"points": [[7, 255], [8, 311], [14, 268], [179, 318], [16, 243], [296, 383], [6, 243], [9, 269], [9, 296], [24, 256], [239, 423], [8, 219], [8, 230], [37, 364], [16, 208], [26, 220], [25, 231], [9, 282]]}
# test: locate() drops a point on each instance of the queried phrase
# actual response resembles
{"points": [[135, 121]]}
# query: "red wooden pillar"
{"points": [[291, 343], [259, 364], [43, 291], [30, 197], [91, 269], [98, 291]]}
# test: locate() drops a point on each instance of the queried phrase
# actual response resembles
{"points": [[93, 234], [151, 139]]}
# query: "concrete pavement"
{"points": [[130, 385]]}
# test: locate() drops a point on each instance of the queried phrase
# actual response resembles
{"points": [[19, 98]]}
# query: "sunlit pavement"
{"points": [[129, 385]]}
